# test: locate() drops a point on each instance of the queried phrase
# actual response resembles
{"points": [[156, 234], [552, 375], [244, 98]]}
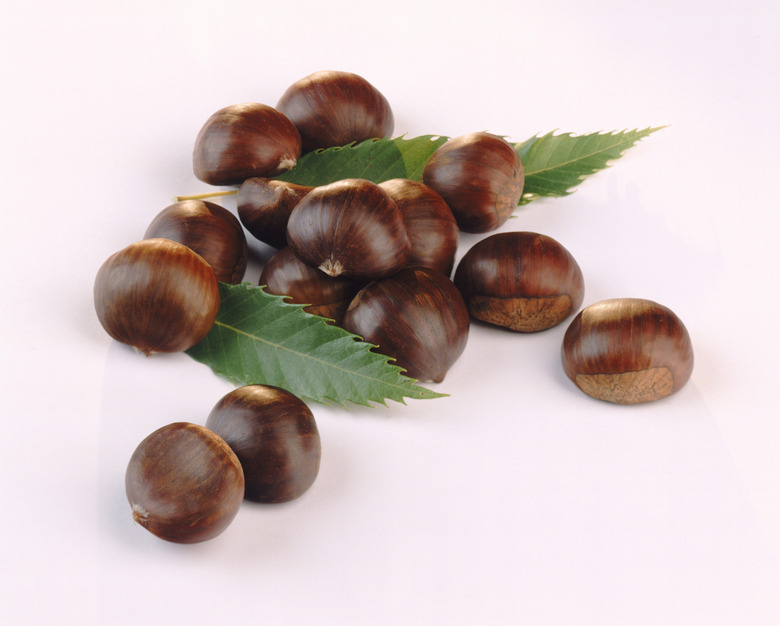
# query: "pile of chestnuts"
{"points": [[377, 259]]}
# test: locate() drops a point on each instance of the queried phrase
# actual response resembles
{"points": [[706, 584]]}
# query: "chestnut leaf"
{"points": [[259, 338], [555, 163]]}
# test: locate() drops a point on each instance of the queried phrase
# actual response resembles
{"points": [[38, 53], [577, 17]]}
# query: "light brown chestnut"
{"points": [[627, 351], [264, 206], [156, 295], [328, 296], [245, 140], [433, 231], [480, 177], [275, 436], [416, 317], [523, 281], [184, 484], [208, 229], [334, 108], [351, 228]]}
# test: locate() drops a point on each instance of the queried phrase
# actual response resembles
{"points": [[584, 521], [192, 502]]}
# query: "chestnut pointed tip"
{"points": [[332, 267], [140, 514]]}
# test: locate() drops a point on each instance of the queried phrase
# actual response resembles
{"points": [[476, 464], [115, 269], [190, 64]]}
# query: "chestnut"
{"points": [[430, 224], [416, 317], [334, 108], [523, 281], [156, 295], [274, 435], [184, 483], [480, 177], [210, 230], [627, 351], [328, 296], [244, 140], [351, 228], [264, 206]]}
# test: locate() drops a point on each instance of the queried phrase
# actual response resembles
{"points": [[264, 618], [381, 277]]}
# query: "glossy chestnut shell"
{"points": [[156, 295], [275, 436], [417, 317], [328, 296], [184, 483], [264, 206], [208, 229], [627, 351], [480, 177], [523, 281], [430, 224], [351, 228], [334, 108], [245, 140]]}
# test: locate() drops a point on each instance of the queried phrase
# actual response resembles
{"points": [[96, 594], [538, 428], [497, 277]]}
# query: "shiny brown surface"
{"points": [[480, 177], [275, 436], [286, 275], [245, 140], [627, 350], [208, 229], [184, 484], [433, 231], [156, 295], [351, 228], [416, 317], [523, 281], [332, 108], [264, 206]]}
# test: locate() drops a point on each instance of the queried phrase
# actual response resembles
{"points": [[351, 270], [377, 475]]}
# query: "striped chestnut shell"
{"points": [[627, 351], [523, 281]]}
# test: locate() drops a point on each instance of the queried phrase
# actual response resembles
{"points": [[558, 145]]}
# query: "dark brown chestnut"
{"points": [[481, 178], [264, 206], [245, 140], [210, 230], [157, 295], [333, 108], [523, 281], [351, 228], [184, 483], [286, 275], [275, 436], [417, 317], [627, 351], [430, 224]]}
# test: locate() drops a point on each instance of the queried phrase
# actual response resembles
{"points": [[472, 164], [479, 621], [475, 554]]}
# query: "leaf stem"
{"points": [[209, 194]]}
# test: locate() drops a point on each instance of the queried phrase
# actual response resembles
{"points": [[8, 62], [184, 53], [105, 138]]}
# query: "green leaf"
{"points": [[259, 338], [554, 164], [376, 160]]}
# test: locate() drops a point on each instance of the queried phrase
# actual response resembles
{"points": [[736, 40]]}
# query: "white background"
{"points": [[516, 500]]}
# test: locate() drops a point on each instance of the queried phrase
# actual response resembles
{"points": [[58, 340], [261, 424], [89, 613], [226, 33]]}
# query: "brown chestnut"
{"points": [[430, 224], [274, 435], [523, 281], [333, 108], [264, 206], [417, 317], [245, 140], [351, 228], [328, 296], [627, 351], [480, 177], [157, 295], [210, 230], [184, 483]]}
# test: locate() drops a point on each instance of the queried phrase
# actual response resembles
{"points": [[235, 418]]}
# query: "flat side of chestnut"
{"points": [[646, 385], [525, 315]]}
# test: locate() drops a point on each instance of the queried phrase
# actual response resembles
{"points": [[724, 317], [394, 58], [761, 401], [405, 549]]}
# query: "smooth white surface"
{"points": [[517, 500]]}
